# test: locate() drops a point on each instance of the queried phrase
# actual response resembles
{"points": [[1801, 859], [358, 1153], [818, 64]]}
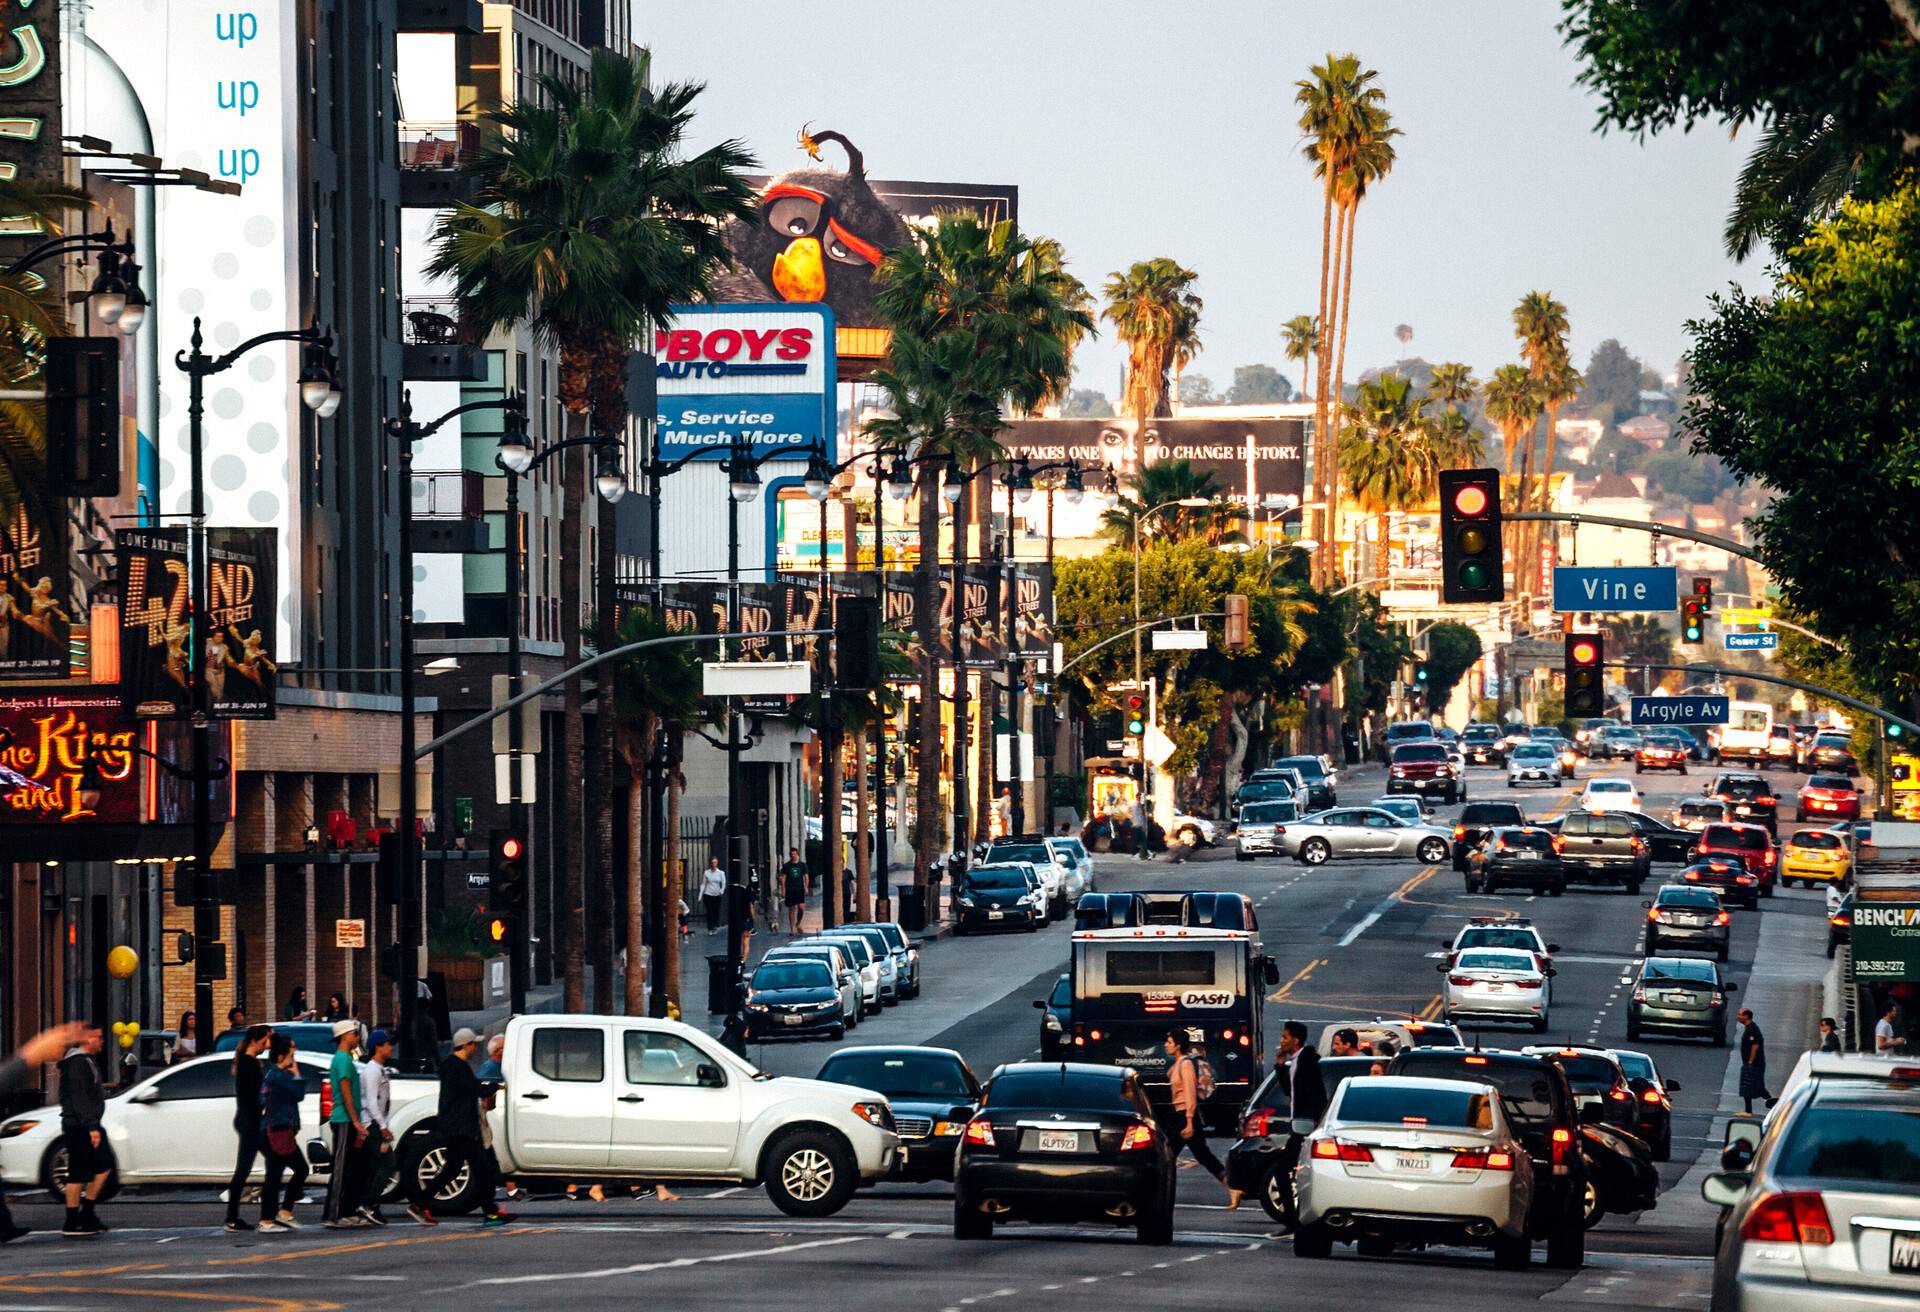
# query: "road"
{"points": [[1352, 939]]}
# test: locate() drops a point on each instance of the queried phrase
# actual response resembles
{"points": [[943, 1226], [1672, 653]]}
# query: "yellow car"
{"points": [[1814, 855]]}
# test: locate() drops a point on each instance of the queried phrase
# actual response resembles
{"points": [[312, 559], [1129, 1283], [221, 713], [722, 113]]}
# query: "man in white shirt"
{"points": [[713, 893], [1886, 1039], [375, 1089]]}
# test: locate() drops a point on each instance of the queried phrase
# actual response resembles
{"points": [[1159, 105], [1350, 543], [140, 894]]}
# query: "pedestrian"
{"points": [[186, 1045], [282, 1086], [1299, 1066], [1887, 1040], [458, 1126], [337, 1009], [89, 1160], [37, 1051], [1346, 1043], [1753, 1063], [686, 919], [236, 1021], [347, 1126], [1829, 1035], [1137, 822], [247, 1077], [793, 889], [296, 1008], [713, 893], [376, 1162], [1192, 1081], [491, 1070]]}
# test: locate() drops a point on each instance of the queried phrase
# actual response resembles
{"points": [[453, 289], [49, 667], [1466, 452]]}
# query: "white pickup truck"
{"points": [[625, 1099]]}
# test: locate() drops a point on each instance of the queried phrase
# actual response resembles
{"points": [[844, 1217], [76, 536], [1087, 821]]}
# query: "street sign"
{"points": [[1679, 710], [1158, 746], [756, 678], [503, 780], [349, 933], [1752, 641], [1179, 639], [1610, 588], [1886, 940], [1746, 614]]}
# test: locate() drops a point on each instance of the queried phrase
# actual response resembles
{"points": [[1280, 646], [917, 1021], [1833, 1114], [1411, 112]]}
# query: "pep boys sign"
{"points": [[762, 373]]}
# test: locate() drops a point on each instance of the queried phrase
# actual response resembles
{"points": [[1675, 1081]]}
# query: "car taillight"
{"points": [[1562, 1142], [1694, 875], [1639, 845], [1654, 914], [1528, 983], [1461, 981], [1723, 918], [1840, 920], [1559, 843], [1651, 1095], [980, 1133], [1459, 831], [1254, 1125], [1796, 1217], [1341, 1150], [1484, 1159], [1743, 879], [1618, 1095], [326, 1100], [1139, 1135]]}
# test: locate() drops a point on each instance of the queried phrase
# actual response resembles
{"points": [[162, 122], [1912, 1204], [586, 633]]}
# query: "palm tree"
{"points": [[1372, 159], [590, 225], [1167, 482], [1049, 262], [1797, 175], [1456, 443], [1540, 322], [1386, 457], [653, 691], [1153, 309], [1514, 404], [1641, 638], [1302, 336], [1453, 384], [979, 321]]}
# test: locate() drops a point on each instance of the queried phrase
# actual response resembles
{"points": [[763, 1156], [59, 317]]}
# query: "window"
{"points": [[1878, 1144], [1146, 967], [212, 1079], [1060, 1089], [1419, 752], [1385, 1103], [1495, 961], [570, 1056], [1819, 839], [1380, 820], [663, 1059]]}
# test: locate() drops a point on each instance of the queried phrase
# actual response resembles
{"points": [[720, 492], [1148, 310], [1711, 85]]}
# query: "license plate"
{"points": [[1905, 1254], [790, 1020], [1496, 988], [1410, 1163], [1743, 810], [1680, 997], [995, 915], [1058, 1141]]}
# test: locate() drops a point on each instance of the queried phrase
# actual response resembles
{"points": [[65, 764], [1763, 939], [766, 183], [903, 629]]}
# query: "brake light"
{"points": [[1461, 981], [1459, 831], [1475, 1061], [1651, 1095], [1094, 1035], [326, 1100], [1618, 1095], [1562, 1141], [1786, 1218], [1654, 914], [1723, 918], [1694, 875], [979, 1133], [1483, 1159], [1639, 846], [1840, 920], [1139, 1135], [1528, 983], [1341, 1150], [1559, 843], [1227, 1035]]}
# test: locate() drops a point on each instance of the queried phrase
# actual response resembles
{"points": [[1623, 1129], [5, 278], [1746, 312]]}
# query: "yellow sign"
{"points": [[1746, 615], [349, 933]]}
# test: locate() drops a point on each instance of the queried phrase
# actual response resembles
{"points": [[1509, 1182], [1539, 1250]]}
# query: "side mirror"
{"points": [[1673, 1086], [1646, 904], [1725, 1188], [1551, 972], [1555, 947], [1729, 988], [1039, 1004], [1270, 970], [1441, 968], [709, 1076], [1744, 1132]]}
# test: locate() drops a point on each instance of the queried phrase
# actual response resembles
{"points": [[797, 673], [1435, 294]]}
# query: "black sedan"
{"points": [[1516, 857], [791, 999], [1064, 1141], [999, 897], [1727, 875], [1056, 1016], [1653, 1110], [933, 1092], [1254, 1163], [1840, 926]]}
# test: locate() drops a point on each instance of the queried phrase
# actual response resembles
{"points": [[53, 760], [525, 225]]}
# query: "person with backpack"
{"points": [[1192, 1080]]}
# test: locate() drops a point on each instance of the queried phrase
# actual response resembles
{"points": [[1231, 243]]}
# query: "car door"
{"points": [[678, 1109], [1345, 831], [560, 1099], [1385, 833], [180, 1126]]}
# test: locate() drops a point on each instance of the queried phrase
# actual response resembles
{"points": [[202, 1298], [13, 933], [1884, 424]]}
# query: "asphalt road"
{"points": [[1352, 939]]}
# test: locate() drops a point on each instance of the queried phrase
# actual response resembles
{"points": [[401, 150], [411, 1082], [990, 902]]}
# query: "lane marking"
{"points": [[1386, 904], [642, 1268]]}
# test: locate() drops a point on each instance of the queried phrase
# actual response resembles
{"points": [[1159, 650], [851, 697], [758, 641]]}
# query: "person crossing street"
{"points": [[282, 1087], [458, 1123], [15, 1071], [89, 1161], [348, 1130], [247, 1076], [376, 1163]]}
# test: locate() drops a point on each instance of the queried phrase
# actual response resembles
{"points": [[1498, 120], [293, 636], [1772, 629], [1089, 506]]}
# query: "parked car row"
{"points": [[826, 983]]}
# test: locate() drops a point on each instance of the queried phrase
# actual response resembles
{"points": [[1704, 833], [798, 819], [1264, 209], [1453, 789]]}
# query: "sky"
{"points": [[1136, 130]]}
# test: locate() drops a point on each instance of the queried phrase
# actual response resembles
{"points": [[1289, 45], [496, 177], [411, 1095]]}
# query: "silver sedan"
{"points": [[1361, 831]]}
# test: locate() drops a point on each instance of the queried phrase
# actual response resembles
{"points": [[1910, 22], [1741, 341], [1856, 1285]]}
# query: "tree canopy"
{"points": [[1258, 384], [1452, 649]]}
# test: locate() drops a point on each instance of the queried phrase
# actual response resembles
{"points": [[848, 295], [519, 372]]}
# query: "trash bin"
{"points": [[719, 985], [910, 909]]}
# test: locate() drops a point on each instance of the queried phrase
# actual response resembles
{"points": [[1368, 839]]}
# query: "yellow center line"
{"points": [[1305, 973], [223, 1300], [10, 1282]]}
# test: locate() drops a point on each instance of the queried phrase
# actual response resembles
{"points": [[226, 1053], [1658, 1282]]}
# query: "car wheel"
{"points": [[1273, 1187], [1567, 1247], [1832, 948], [1591, 1209], [1432, 851], [1243, 856], [53, 1173], [1540, 1024], [1473, 885], [461, 1194], [1720, 1037], [810, 1173], [1155, 1226], [1515, 1254], [970, 1222], [1637, 769], [838, 1031], [1663, 1150], [1557, 890], [1373, 1245], [1313, 1241], [1766, 890], [1633, 1031], [1633, 887], [1512, 784], [1315, 851]]}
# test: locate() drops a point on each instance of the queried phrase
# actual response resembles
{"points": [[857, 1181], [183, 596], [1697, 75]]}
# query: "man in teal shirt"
{"points": [[347, 1125]]}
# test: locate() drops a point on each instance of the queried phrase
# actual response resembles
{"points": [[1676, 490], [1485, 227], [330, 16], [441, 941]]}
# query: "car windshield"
{"points": [[1495, 961], [1395, 732], [1743, 837], [900, 1074], [1636, 1065], [1062, 993], [1679, 970], [1587, 1073], [1533, 752], [1266, 813], [1609, 786], [1420, 752], [998, 880], [1832, 740], [1499, 813], [1830, 781], [1480, 732], [1523, 1083], [1714, 809], [1493, 937], [1547, 732], [1838, 1141], [1059, 1088], [1387, 1102], [1745, 789], [792, 975], [1035, 852], [1816, 838], [1266, 790], [1309, 767], [1699, 899]]}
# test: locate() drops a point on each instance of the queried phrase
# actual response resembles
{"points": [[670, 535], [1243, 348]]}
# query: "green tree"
{"points": [[1302, 336], [1513, 406], [1540, 322], [1453, 384], [1640, 638], [1258, 384], [1452, 650], [1611, 386], [1812, 383], [1153, 309], [1197, 389], [590, 224], [1085, 403], [1156, 488]]}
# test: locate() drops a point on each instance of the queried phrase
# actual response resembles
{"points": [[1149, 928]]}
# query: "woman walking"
{"points": [[246, 1117], [282, 1088]]}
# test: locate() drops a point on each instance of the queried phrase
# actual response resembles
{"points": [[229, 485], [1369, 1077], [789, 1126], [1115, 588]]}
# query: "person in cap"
{"points": [[347, 1125], [458, 1126], [376, 1161]]}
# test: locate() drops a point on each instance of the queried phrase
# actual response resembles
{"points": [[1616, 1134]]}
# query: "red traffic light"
{"points": [[1583, 653], [1470, 499], [497, 930], [1135, 702], [510, 849]]}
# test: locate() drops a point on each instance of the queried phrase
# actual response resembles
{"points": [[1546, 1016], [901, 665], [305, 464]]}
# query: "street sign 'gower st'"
{"points": [[1886, 940], [1752, 641], [1679, 710], [1578, 587]]}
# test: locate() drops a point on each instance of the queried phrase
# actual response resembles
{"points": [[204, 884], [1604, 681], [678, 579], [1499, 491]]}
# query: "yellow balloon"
{"points": [[126, 1040], [133, 1027], [119, 1028], [122, 962]]}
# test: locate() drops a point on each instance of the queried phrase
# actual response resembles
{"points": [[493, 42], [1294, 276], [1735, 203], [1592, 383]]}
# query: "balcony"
{"points": [[442, 16], [439, 346], [430, 158], [449, 507]]}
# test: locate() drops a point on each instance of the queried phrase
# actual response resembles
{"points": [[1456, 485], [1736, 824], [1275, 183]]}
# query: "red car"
{"points": [[1751, 843], [1828, 796]]}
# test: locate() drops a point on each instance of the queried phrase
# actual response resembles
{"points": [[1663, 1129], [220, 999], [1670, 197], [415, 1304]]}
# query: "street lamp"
{"points": [[199, 366], [115, 295]]}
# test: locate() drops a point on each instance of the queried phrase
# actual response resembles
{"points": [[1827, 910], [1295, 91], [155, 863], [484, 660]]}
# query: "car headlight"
{"points": [[949, 1129], [1025, 899], [13, 1129], [874, 1113], [824, 1006], [1052, 1024], [756, 1006], [967, 902]]}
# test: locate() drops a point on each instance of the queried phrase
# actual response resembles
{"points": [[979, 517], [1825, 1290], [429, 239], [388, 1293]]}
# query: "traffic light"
{"points": [[1586, 676], [497, 930], [1703, 589], [507, 875], [856, 642], [1233, 636], [1420, 675], [1136, 714], [1472, 567], [83, 416], [1895, 728], [1693, 620]]}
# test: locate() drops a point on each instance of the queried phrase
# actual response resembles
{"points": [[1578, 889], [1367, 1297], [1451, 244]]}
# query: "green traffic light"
{"points": [[1895, 730], [1473, 574]]}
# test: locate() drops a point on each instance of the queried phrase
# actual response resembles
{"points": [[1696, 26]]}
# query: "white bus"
{"points": [[1745, 735]]}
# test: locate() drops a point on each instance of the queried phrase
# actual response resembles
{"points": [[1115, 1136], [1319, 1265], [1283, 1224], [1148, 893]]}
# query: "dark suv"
{"points": [[1424, 767], [1749, 798], [1540, 1105], [1477, 820], [1320, 781], [1483, 744], [1602, 848]]}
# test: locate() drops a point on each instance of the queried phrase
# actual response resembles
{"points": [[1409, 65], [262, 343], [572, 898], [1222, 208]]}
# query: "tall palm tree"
{"points": [[978, 322], [1513, 404], [1540, 322], [1371, 160], [1453, 384], [1049, 262], [1456, 443], [1302, 337], [1154, 310], [1386, 457], [590, 224]]}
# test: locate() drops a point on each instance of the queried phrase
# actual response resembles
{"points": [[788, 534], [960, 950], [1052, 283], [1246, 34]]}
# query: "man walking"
{"points": [[1184, 1070], [713, 893], [15, 1071], [348, 1126], [1753, 1063], [1886, 1032], [459, 1136], [793, 889], [376, 1162], [1306, 1099], [82, 1103]]}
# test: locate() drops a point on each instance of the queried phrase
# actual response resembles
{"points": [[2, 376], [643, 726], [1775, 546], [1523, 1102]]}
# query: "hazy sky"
{"points": [[1139, 129]]}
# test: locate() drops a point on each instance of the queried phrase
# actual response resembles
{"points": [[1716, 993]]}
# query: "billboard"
{"points": [[154, 594], [1249, 458], [240, 663], [34, 623], [66, 758], [764, 373], [153, 621]]}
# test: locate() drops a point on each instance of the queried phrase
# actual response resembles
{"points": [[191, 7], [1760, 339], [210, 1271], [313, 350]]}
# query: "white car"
{"points": [[1260, 826], [844, 974], [1078, 864], [879, 977], [1610, 795], [629, 1098], [1400, 1159], [1496, 984], [1533, 763], [1509, 933]]}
